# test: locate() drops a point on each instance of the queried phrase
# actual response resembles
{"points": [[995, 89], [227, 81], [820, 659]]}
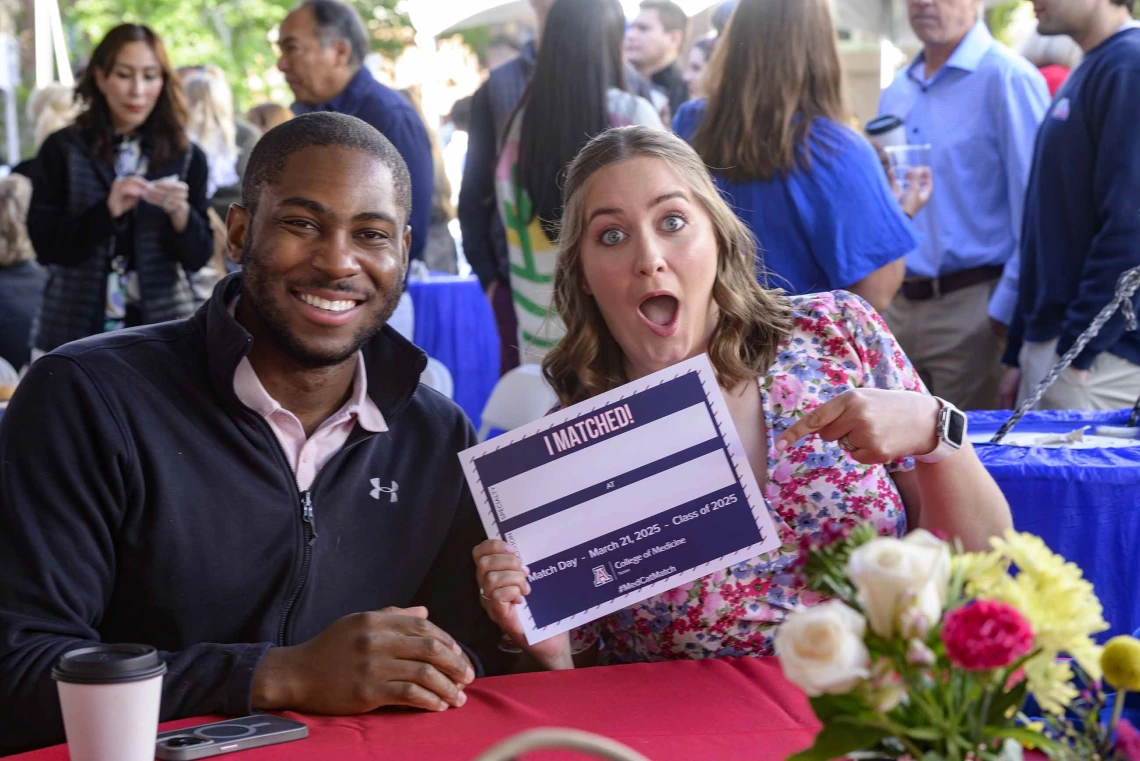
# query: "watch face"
{"points": [[956, 428]]}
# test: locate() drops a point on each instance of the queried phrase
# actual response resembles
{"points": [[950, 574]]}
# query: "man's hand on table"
{"points": [[392, 657]]}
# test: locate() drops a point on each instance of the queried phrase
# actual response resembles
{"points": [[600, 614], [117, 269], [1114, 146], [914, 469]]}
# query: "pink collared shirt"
{"points": [[308, 456]]}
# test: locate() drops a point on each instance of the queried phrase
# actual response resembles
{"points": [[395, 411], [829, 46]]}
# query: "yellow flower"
{"points": [[1055, 599], [1051, 682], [981, 570], [1121, 662], [1032, 726]]}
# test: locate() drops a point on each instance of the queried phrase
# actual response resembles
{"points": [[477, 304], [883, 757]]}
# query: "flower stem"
{"points": [[987, 701], [1117, 708]]}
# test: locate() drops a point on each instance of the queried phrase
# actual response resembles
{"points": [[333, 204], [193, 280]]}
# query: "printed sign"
{"points": [[621, 497]]}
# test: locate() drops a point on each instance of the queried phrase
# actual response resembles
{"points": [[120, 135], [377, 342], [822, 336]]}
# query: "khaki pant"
{"points": [[951, 344], [1113, 382]]}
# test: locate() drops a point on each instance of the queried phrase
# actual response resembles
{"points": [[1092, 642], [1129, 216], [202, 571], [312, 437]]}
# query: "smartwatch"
{"points": [[951, 429]]}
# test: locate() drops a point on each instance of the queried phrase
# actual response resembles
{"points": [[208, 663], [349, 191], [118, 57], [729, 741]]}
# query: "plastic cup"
{"points": [[110, 696], [904, 159]]}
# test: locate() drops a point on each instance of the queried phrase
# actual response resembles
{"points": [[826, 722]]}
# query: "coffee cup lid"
{"points": [[882, 124], [106, 664]]}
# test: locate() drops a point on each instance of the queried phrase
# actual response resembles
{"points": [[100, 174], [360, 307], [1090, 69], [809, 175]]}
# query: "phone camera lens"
{"points": [[184, 742]]}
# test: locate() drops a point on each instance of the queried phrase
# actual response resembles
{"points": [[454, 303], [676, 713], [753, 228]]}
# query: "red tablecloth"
{"points": [[687, 711]]}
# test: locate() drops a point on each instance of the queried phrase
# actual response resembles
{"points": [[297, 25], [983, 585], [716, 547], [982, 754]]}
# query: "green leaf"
{"points": [[829, 707], [838, 739], [1005, 701], [1024, 736]]}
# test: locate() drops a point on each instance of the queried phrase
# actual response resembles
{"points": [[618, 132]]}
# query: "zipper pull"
{"points": [[307, 515]]}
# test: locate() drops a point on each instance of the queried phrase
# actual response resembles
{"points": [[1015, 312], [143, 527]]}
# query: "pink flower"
{"points": [[1127, 740], [986, 635], [678, 596], [783, 471], [786, 391], [835, 531], [713, 603]]}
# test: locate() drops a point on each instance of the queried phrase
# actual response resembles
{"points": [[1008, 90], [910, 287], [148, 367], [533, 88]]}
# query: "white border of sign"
{"points": [[758, 506]]}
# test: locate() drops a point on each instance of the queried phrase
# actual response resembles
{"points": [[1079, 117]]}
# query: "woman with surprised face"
{"points": [[654, 268]]}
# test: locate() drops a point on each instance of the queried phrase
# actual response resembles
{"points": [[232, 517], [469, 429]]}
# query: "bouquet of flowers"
{"points": [[927, 653]]}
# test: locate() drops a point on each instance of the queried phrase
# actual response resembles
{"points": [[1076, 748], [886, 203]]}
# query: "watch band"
{"points": [[947, 445]]}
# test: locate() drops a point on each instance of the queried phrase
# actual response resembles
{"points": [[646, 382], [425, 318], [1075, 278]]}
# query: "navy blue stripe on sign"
{"points": [[601, 489], [565, 585], [646, 407]]}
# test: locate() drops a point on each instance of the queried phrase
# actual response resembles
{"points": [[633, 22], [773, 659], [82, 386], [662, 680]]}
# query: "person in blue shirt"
{"points": [[773, 132], [1082, 216], [322, 48], [978, 105]]}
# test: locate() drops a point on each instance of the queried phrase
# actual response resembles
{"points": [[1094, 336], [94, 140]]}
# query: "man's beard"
{"points": [[275, 324]]}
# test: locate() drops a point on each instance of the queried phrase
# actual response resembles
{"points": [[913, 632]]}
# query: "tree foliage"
{"points": [[233, 34]]}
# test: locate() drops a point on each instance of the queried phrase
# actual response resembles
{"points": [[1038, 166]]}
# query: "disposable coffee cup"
{"points": [[110, 696], [886, 130]]}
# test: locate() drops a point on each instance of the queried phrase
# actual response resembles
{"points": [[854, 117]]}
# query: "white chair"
{"points": [[520, 397], [437, 376], [403, 320]]}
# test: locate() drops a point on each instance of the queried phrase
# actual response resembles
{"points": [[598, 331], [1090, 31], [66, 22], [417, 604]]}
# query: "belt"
{"points": [[927, 288]]}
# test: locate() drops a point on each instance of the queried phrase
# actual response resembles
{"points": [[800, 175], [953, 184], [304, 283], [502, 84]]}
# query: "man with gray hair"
{"points": [[322, 48]]}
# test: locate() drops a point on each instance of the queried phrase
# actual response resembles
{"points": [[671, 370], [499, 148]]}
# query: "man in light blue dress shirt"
{"points": [[978, 105]]}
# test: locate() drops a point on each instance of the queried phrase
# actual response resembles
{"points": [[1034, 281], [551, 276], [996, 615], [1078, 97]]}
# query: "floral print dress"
{"points": [[838, 342]]}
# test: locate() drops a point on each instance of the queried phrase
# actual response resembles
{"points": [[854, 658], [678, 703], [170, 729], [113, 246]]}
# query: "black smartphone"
{"points": [[229, 736]]}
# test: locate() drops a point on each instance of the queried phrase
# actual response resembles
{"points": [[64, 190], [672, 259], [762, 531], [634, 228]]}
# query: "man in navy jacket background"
{"points": [[1082, 217], [264, 492], [322, 48]]}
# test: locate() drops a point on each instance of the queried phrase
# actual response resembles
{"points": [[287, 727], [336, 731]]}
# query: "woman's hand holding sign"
{"points": [[502, 586]]}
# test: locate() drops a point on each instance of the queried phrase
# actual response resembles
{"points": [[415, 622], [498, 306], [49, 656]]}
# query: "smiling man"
{"points": [[264, 492]]}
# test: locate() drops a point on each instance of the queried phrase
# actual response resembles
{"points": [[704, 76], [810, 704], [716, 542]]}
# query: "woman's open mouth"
{"points": [[661, 313]]}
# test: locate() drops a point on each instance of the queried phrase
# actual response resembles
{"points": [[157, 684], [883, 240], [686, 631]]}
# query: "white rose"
{"points": [[940, 574], [821, 649], [894, 575]]}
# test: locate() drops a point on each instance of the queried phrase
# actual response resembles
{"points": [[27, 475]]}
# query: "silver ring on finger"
{"points": [[845, 445]]}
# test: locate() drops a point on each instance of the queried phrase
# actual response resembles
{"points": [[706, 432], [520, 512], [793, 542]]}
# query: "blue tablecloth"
{"points": [[455, 325], [1085, 503]]}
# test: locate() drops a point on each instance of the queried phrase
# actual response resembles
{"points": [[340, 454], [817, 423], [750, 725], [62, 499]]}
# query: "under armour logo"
{"points": [[377, 488]]}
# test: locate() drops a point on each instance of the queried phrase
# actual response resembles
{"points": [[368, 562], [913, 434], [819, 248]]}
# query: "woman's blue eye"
{"points": [[673, 223], [612, 237]]}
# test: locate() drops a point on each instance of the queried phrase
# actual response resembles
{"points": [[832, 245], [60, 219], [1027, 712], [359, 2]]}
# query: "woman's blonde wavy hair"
{"points": [[753, 320], [15, 197]]}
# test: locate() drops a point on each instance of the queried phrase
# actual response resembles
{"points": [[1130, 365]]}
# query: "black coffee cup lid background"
{"points": [[882, 124], [109, 664]]}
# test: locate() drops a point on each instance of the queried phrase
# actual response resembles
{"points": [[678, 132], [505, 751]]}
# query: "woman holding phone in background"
{"points": [[119, 208]]}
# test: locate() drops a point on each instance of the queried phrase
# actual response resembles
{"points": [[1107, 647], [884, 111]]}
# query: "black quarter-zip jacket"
{"points": [[141, 501]]}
